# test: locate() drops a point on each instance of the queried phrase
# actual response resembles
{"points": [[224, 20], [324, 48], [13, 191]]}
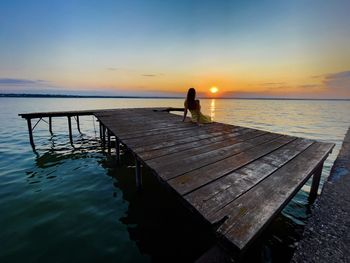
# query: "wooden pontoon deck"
{"points": [[235, 178]]}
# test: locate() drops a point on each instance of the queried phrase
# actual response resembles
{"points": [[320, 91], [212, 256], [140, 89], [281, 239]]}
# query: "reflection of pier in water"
{"points": [[159, 224], [234, 178]]}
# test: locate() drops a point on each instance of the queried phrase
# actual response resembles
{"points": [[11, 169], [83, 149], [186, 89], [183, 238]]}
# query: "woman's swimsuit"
{"points": [[202, 118]]}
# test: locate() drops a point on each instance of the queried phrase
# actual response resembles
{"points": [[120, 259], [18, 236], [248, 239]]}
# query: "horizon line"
{"points": [[38, 95]]}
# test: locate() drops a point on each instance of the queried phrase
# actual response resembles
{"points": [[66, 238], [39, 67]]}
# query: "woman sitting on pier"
{"points": [[194, 107]]}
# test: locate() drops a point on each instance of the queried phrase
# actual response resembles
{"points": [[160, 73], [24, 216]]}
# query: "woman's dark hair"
{"points": [[191, 95]]}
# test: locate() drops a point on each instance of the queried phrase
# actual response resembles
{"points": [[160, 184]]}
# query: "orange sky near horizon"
{"points": [[280, 82]]}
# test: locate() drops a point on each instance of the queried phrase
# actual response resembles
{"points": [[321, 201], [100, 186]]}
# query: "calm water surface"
{"points": [[75, 205]]}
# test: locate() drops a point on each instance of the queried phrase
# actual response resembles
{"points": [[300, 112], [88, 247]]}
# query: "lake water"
{"points": [[75, 205]]}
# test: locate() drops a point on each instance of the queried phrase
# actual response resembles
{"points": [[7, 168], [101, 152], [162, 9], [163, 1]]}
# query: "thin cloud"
{"points": [[112, 69], [153, 75], [338, 75], [149, 75], [135, 71], [273, 83], [20, 82], [338, 80], [309, 86], [121, 69], [268, 86]]}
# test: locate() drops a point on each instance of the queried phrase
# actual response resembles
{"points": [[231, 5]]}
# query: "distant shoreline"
{"points": [[82, 96], [14, 95]]}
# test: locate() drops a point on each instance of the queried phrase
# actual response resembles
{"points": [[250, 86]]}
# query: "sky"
{"points": [[249, 49]]}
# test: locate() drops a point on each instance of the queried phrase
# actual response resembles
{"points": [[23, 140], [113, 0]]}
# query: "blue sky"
{"points": [[163, 47]]}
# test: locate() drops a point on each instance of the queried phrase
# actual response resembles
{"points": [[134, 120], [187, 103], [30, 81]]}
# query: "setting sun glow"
{"points": [[214, 90]]}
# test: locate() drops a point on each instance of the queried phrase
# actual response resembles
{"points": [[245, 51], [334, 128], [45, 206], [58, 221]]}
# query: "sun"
{"points": [[214, 90]]}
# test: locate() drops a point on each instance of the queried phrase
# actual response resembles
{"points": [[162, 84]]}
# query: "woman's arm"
{"points": [[185, 111], [198, 109], [185, 114]]}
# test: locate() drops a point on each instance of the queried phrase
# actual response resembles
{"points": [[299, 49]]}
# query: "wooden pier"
{"points": [[237, 179]]}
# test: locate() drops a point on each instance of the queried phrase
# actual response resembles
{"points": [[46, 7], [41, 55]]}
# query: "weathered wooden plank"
{"points": [[173, 136], [251, 212], [140, 130], [127, 129], [142, 125], [240, 133], [167, 134], [178, 127], [156, 132], [138, 133], [164, 110], [214, 196], [133, 112], [35, 115], [142, 120], [187, 156], [178, 141], [97, 113], [129, 118], [128, 121], [192, 180], [173, 168]]}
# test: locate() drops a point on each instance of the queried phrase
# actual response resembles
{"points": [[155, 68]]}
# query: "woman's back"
{"points": [[192, 106]]}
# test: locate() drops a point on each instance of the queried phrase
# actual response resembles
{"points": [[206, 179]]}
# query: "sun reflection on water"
{"points": [[212, 109]]}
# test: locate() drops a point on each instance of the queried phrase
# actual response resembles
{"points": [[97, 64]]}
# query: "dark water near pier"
{"points": [[74, 205]]}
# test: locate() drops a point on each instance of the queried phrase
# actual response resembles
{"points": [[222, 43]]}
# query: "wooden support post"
{"points": [[30, 131], [117, 150], [109, 141], [100, 130], [70, 130], [138, 174], [315, 183], [50, 125], [78, 124], [103, 135]]}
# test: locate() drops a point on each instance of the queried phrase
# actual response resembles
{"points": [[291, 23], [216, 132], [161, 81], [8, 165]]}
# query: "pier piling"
{"points": [[138, 174], [70, 130], [78, 123], [103, 136], [50, 125], [117, 150], [30, 131], [315, 183], [100, 126], [109, 141]]}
